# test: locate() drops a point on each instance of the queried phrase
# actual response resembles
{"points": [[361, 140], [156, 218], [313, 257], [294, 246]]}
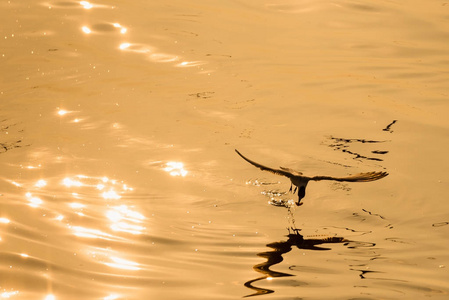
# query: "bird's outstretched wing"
{"points": [[362, 177], [284, 171], [294, 172]]}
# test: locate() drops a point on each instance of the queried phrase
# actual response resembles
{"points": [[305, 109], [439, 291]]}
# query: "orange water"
{"points": [[118, 124]]}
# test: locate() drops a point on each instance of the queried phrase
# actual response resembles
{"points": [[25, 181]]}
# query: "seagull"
{"points": [[300, 181]]}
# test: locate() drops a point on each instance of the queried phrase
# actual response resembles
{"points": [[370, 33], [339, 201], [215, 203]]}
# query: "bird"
{"points": [[300, 181]]}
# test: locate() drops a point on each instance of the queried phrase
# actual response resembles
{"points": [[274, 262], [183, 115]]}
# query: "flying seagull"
{"points": [[300, 181]]}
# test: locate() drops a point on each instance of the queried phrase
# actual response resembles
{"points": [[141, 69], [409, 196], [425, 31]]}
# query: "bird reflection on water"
{"points": [[294, 238], [278, 250]]}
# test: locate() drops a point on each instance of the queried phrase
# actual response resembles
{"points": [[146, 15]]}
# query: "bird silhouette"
{"points": [[300, 181]]}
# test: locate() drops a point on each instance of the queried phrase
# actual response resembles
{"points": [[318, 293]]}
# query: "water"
{"points": [[118, 128]]}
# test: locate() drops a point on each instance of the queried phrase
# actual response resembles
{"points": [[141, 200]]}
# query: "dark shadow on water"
{"points": [[12, 132], [274, 256], [294, 239], [343, 145]]}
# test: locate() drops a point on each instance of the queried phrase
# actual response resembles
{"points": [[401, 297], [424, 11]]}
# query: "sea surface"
{"points": [[118, 124]]}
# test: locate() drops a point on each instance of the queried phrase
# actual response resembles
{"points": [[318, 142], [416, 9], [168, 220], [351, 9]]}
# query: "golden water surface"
{"points": [[118, 124]]}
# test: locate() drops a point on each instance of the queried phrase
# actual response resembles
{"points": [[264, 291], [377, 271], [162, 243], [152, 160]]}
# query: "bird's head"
{"points": [[301, 194]]}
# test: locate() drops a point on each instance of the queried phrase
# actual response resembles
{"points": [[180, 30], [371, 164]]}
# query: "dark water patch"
{"points": [[363, 141], [396, 240], [239, 104], [202, 95], [4, 147], [364, 272], [373, 214], [363, 217], [359, 244], [219, 55], [275, 256], [362, 232], [439, 224], [66, 4], [388, 128], [10, 130], [357, 155], [343, 145], [103, 27], [363, 7], [379, 152]]}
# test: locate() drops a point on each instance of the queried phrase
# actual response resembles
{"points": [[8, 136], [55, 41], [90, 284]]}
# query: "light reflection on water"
{"points": [[7, 295], [150, 52], [86, 5], [111, 297], [121, 263], [122, 217], [83, 196], [175, 168], [4, 220], [153, 55]]}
